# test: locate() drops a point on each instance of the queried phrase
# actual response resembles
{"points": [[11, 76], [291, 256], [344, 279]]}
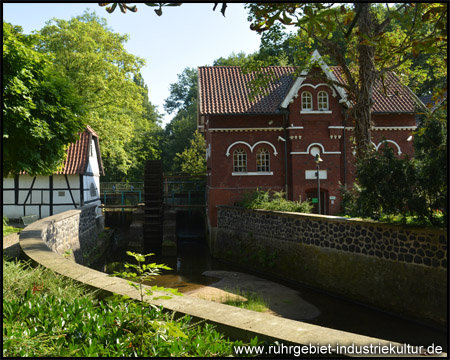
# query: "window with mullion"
{"points": [[306, 100], [263, 160], [240, 161], [322, 100]]}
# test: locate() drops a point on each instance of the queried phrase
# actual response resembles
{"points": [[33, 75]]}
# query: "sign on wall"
{"points": [[312, 174]]}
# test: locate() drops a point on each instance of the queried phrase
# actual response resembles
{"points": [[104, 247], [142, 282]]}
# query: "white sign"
{"points": [[312, 174]]}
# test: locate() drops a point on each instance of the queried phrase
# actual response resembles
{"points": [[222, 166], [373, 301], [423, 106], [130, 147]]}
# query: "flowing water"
{"points": [[322, 309]]}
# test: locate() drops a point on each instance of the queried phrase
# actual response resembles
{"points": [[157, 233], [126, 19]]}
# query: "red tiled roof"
{"points": [[224, 90], [389, 95], [78, 155]]}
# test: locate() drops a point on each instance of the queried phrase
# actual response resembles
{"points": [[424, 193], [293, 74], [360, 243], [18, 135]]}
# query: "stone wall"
{"points": [[77, 234], [396, 268]]}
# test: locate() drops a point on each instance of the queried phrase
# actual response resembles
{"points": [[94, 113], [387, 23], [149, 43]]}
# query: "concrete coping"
{"points": [[234, 322], [340, 219]]}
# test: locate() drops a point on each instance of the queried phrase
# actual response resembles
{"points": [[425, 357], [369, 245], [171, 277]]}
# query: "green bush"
{"points": [[276, 201], [399, 190]]}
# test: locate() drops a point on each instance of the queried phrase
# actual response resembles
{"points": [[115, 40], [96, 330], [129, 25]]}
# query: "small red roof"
{"points": [[225, 90], [78, 154]]}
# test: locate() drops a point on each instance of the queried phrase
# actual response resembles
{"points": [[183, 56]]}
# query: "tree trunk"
{"points": [[364, 101]]}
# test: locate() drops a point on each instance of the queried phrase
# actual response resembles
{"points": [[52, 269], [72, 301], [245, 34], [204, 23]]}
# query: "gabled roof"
{"points": [[78, 154], [225, 90]]}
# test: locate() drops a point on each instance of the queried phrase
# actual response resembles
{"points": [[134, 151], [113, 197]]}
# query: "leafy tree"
{"points": [[179, 132], [42, 113], [431, 155], [94, 60], [239, 59], [147, 136], [177, 136], [365, 49], [387, 185], [193, 158], [183, 93]]}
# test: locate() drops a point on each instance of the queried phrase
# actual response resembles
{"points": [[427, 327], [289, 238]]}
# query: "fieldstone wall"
{"points": [[77, 234], [396, 268]]}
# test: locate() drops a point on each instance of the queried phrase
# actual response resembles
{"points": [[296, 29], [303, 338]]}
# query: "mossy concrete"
{"points": [[235, 322]]}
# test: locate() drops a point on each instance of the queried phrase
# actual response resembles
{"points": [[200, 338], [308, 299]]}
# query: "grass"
{"points": [[48, 315], [253, 301], [7, 230]]}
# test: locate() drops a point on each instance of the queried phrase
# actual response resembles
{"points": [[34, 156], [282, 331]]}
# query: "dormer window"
{"points": [[306, 100], [322, 100]]}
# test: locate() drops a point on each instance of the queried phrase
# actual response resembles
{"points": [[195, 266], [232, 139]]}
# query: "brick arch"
{"points": [[251, 147], [392, 142]]}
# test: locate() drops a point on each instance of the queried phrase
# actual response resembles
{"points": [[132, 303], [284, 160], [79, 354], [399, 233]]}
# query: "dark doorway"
{"points": [[312, 196]]}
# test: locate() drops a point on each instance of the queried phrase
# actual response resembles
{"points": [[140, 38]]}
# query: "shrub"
{"points": [[276, 201]]}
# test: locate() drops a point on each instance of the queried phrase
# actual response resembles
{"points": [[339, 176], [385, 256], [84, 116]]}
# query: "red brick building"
{"points": [[271, 142]]}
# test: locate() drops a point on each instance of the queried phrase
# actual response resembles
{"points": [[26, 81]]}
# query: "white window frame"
{"points": [[239, 161], [322, 98], [263, 160], [307, 100]]}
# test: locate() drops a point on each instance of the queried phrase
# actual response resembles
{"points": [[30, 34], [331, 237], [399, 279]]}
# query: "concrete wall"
{"points": [[395, 268], [77, 234]]}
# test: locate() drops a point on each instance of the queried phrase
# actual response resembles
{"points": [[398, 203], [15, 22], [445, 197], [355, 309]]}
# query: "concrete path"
{"points": [[11, 245]]}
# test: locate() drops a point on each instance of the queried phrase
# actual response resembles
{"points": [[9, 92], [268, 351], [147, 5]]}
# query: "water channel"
{"points": [[309, 305]]}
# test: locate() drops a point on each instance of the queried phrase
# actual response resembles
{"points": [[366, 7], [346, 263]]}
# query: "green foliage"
{"points": [[47, 315], [260, 199], [180, 130], [177, 137], [42, 112], [142, 273], [386, 183], [107, 78], [253, 301], [21, 276], [8, 229], [400, 189], [193, 158], [366, 41]]}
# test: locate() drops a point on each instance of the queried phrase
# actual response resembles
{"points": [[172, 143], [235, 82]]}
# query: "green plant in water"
{"points": [[246, 300], [141, 273]]}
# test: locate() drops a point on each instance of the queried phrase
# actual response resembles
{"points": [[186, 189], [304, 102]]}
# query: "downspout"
{"points": [[285, 122], [345, 111]]}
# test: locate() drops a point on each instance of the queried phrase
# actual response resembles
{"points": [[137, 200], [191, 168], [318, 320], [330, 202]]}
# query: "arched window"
{"points": [[239, 160], [322, 100], [263, 160], [306, 100]]}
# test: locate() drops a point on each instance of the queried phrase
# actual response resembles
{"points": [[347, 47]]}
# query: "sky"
{"points": [[187, 36]]}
